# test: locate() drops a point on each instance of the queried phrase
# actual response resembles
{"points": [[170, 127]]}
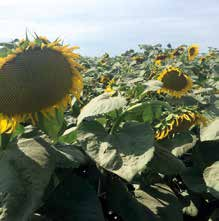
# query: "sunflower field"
{"points": [[133, 137]]}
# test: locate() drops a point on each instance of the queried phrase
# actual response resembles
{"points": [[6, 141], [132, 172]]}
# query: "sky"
{"points": [[113, 26]]}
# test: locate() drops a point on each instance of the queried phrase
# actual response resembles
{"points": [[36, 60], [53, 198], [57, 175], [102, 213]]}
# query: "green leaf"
{"points": [[192, 204], [206, 159], [121, 201], [69, 136], [19, 130], [162, 161], [129, 151], [90, 134], [145, 112], [152, 85], [160, 199], [214, 215], [211, 177], [179, 144], [51, 125], [205, 154], [193, 179], [102, 104], [126, 152], [74, 199], [25, 172], [211, 132], [26, 169], [4, 140]]}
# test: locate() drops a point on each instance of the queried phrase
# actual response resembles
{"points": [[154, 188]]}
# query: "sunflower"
{"points": [[192, 52], [109, 88], [37, 76], [178, 51], [138, 58], [160, 58], [175, 82], [103, 79], [179, 123]]}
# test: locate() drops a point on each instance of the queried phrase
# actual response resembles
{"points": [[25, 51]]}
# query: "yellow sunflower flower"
{"points": [[193, 51], [180, 123], [158, 62], [175, 82], [109, 89], [38, 76]]}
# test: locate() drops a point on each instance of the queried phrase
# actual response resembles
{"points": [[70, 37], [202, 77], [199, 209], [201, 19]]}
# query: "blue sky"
{"points": [[113, 26]]}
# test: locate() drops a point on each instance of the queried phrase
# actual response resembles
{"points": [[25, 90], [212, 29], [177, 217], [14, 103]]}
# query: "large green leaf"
{"points": [[211, 177], [102, 104], [130, 150], [211, 132], [165, 163], [25, 173], [90, 134], [160, 199], [215, 215], [145, 112], [193, 179], [69, 136], [206, 158], [74, 199], [152, 85], [127, 152], [120, 200], [179, 144], [26, 169], [205, 154]]}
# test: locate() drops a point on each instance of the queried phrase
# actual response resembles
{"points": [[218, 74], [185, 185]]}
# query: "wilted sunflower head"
{"points": [[178, 51], [137, 58], [160, 58], [37, 76], [175, 82], [178, 123], [104, 79], [193, 51]]}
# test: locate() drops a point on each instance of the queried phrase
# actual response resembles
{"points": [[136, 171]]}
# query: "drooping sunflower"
{"points": [[193, 51], [179, 123], [178, 51], [138, 58], [175, 82], [160, 58], [37, 76]]}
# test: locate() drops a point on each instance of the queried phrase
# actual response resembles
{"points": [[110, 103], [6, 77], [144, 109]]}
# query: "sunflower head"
{"points": [[175, 82], [178, 51], [138, 58], [179, 123], [104, 79], [109, 89], [160, 58], [37, 76], [193, 51]]}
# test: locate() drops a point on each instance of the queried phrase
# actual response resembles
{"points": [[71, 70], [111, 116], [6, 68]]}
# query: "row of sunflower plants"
{"points": [[139, 142]]}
